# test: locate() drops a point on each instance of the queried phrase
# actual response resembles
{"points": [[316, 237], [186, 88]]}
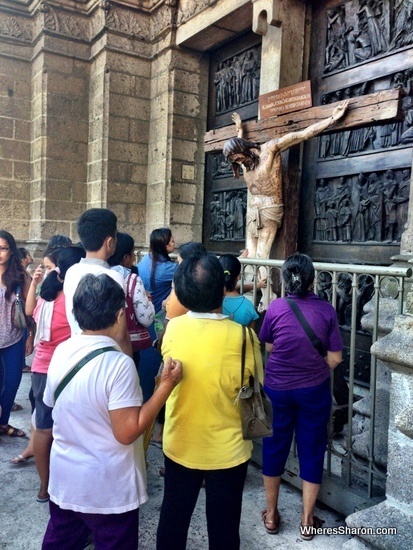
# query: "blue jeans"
{"points": [[11, 366]]}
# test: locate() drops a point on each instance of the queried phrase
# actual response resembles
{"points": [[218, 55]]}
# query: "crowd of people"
{"points": [[95, 399]]}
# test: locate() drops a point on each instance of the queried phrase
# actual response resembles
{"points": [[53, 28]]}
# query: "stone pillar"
{"points": [[60, 144], [15, 114], [396, 351], [176, 151]]}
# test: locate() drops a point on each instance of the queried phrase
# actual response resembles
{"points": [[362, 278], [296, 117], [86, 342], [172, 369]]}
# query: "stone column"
{"points": [[396, 351], [176, 151]]}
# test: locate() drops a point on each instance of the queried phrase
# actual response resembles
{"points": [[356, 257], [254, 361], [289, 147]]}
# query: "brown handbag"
{"points": [[255, 405]]}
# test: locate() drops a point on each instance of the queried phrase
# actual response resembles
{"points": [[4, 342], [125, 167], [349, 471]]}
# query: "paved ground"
{"points": [[23, 520]]}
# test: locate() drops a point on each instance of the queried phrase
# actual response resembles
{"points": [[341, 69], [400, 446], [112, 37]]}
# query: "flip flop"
{"points": [[275, 525], [11, 431], [20, 459], [317, 523], [41, 499], [16, 407]]}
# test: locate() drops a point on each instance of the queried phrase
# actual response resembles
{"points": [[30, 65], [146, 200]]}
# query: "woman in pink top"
{"points": [[52, 328]]}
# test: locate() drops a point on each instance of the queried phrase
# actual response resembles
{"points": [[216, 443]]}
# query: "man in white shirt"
{"points": [[97, 229]]}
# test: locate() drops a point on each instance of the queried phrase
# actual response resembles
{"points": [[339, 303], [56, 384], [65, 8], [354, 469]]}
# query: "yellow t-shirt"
{"points": [[202, 424]]}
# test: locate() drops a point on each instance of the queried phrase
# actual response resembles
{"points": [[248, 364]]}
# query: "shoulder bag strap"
{"points": [[244, 346], [308, 330], [77, 368], [256, 381]]}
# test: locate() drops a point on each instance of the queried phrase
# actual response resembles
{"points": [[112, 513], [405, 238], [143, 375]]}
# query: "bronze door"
{"points": [[355, 184], [234, 87]]}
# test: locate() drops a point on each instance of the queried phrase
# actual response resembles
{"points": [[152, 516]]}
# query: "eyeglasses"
{"points": [[4, 248]]}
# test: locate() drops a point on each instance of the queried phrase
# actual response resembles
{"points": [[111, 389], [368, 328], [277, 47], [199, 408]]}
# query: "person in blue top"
{"points": [[156, 270], [237, 307]]}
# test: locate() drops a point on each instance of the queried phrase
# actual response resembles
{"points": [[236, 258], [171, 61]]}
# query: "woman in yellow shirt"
{"points": [[202, 435]]}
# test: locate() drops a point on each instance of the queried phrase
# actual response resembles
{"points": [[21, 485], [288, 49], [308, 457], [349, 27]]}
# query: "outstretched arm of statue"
{"points": [[238, 124], [288, 140]]}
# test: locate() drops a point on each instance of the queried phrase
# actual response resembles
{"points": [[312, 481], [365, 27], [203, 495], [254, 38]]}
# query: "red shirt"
{"points": [[60, 331]]}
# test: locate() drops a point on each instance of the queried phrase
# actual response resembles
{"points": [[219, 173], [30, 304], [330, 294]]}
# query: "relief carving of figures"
{"points": [[222, 167], [402, 201], [360, 208], [215, 209], [356, 140], [372, 11], [240, 206], [227, 211], [390, 190], [359, 30], [236, 81], [364, 208], [374, 208], [322, 195], [403, 24]]}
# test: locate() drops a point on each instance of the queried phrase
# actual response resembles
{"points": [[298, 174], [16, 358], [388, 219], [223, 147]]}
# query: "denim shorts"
{"points": [[43, 413]]}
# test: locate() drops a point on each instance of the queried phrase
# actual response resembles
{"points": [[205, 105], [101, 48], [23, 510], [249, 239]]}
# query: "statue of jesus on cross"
{"points": [[263, 175]]}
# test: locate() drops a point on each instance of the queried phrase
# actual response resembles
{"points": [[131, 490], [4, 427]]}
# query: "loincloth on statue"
{"points": [[257, 216]]}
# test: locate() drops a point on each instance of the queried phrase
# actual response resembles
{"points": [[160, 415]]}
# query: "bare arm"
{"points": [[333, 359], [238, 124], [129, 423], [31, 295], [293, 138]]}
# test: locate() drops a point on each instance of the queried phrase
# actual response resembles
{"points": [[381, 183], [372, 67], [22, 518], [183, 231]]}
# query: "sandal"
{"points": [[271, 527], [11, 431], [43, 499], [16, 407], [307, 532], [20, 459]]}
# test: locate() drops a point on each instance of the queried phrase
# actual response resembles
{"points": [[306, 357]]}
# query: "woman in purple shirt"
{"points": [[297, 380]]}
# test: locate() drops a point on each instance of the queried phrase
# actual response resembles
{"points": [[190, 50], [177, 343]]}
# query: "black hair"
{"points": [[14, 275], [53, 254], [199, 283], [191, 249], [97, 301], [232, 268], [298, 274], [59, 241], [94, 226], [124, 245], [158, 240], [239, 145], [53, 284], [23, 252]]}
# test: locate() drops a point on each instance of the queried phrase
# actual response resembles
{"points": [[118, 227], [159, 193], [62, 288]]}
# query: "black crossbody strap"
{"points": [[308, 330], [77, 368]]}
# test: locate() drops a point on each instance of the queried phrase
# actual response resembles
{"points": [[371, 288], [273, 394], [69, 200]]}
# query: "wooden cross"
{"points": [[362, 111]]}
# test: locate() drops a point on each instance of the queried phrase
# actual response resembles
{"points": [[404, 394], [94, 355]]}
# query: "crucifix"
{"points": [[260, 153]]}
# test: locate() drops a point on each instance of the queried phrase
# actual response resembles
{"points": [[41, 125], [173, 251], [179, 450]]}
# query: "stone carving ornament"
{"points": [[9, 26]]}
